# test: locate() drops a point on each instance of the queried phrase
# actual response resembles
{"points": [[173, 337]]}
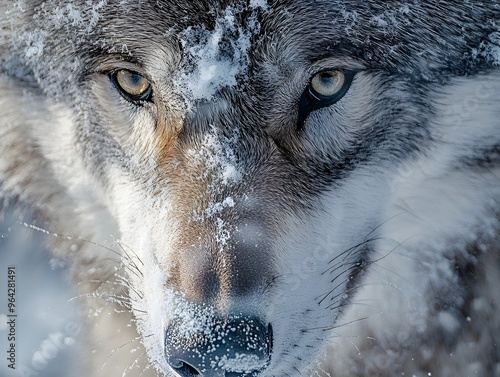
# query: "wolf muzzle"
{"points": [[225, 347]]}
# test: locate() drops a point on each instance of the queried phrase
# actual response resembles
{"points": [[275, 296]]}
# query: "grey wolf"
{"points": [[293, 187]]}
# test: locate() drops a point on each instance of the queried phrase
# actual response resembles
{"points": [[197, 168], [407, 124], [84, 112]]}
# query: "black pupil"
{"points": [[135, 79], [326, 79]]}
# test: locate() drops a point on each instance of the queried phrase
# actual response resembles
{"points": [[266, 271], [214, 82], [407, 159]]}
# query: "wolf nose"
{"points": [[226, 347]]}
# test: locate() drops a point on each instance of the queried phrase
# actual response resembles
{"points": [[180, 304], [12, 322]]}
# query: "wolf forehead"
{"points": [[424, 39]]}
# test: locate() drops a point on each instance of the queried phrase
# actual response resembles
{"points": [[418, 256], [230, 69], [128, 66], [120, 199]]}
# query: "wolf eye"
{"points": [[327, 84], [324, 89], [132, 86]]}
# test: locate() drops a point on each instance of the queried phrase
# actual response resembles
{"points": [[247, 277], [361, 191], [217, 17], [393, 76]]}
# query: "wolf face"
{"points": [[268, 169]]}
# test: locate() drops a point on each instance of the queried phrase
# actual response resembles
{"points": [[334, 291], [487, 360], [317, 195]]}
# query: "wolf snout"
{"points": [[222, 347]]}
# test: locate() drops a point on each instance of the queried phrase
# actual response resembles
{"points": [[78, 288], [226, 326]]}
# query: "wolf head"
{"points": [[253, 155]]}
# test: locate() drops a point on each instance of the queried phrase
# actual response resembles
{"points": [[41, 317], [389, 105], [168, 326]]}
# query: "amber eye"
{"points": [[324, 89], [132, 86], [327, 84]]}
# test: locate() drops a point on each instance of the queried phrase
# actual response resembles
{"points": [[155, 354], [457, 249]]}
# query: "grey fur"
{"points": [[420, 120]]}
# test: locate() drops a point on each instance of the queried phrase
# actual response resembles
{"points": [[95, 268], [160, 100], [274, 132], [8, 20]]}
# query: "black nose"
{"points": [[225, 347]]}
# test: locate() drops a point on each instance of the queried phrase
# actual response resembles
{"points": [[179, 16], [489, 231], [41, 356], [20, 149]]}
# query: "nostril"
{"points": [[269, 339], [224, 347], [184, 369]]}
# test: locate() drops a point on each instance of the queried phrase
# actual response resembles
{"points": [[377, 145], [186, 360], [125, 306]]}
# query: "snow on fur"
{"points": [[215, 59]]}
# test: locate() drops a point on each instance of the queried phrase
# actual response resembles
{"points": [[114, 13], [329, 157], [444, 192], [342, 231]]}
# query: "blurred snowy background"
{"points": [[48, 334]]}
